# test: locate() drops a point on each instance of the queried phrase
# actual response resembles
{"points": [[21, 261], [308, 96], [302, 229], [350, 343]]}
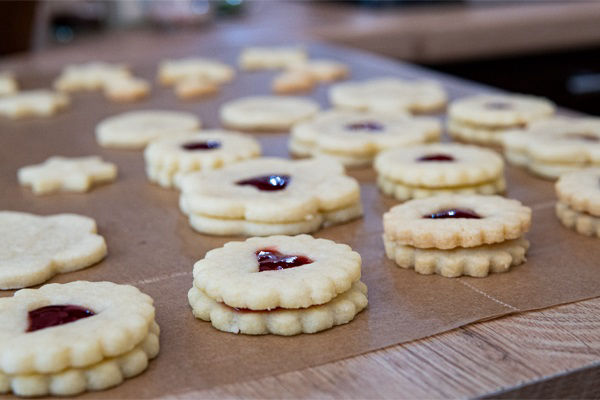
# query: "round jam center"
{"points": [[272, 260], [369, 126], [204, 145], [588, 137], [267, 182], [436, 157], [498, 105], [46, 317], [454, 213]]}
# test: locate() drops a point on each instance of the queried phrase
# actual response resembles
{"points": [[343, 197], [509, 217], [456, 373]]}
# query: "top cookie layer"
{"points": [[231, 274], [89, 76], [172, 71], [254, 58], [580, 190], [499, 219], [440, 165], [123, 316], [497, 110], [389, 95]]}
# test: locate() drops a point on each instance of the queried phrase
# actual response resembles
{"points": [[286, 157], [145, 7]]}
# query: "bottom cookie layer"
{"points": [[103, 375], [341, 310], [476, 134], [475, 261], [582, 223]]}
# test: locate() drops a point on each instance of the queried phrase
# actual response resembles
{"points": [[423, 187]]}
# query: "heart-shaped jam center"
{"points": [[453, 213], [587, 137], [49, 316], [267, 182], [272, 260], [201, 145], [436, 157], [498, 105], [369, 126]]}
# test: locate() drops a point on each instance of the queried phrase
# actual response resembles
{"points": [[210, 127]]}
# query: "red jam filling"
{"points": [[49, 316], [588, 137], [370, 126], [267, 182], [454, 213], [436, 157], [204, 145], [272, 260], [498, 105]]}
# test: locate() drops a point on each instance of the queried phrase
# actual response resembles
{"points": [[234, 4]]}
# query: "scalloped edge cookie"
{"points": [[271, 57], [33, 103], [583, 223], [580, 190]]}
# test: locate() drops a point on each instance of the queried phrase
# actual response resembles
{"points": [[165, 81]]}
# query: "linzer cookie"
{"points": [[554, 146], [578, 205], [303, 77], [35, 248], [269, 196], [66, 339], [283, 285], [354, 138], [166, 159], [483, 119], [456, 235], [267, 113], [389, 95], [33, 103], [442, 168], [273, 57]]}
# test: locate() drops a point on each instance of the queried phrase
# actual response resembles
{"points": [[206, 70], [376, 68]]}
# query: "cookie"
{"points": [[354, 138], [89, 76], [555, 146], [274, 57], [269, 196], [283, 285], [210, 149], [441, 168], [195, 87], [483, 119], [267, 113], [8, 83], [67, 174], [171, 72], [389, 95], [125, 90], [32, 103], [293, 81], [35, 248], [578, 204], [135, 129], [323, 70], [66, 339]]}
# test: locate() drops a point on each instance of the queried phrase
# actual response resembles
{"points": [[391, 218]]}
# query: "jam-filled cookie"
{"points": [[33, 103], [578, 205], [135, 129], [283, 285], [354, 138], [267, 113], [389, 95], [210, 149], [35, 248], [484, 119], [89, 76], [271, 57], [441, 168], [66, 339], [269, 196], [551, 147], [456, 235], [67, 174]]}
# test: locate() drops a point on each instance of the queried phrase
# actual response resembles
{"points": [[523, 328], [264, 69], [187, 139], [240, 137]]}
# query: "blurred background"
{"points": [[548, 48]]}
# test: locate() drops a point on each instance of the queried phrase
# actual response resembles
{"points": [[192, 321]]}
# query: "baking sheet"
{"points": [[152, 247]]}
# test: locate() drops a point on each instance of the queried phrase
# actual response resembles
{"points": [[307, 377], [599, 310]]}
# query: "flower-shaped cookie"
{"points": [[274, 57], [270, 196], [67, 174], [8, 83], [36, 248], [126, 89], [172, 71], [89, 76], [32, 103], [578, 205]]}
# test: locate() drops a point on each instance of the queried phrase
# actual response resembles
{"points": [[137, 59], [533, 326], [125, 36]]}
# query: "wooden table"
{"points": [[548, 353]]}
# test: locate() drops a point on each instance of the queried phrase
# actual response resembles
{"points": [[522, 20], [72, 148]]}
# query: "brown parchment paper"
{"points": [[152, 247]]}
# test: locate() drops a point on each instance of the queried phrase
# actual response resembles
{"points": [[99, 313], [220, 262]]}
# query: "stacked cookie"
{"points": [[454, 235], [554, 146], [578, 205], [441, 168], [483, 119], [66, 339], [354, 138], [283, 285], [269, 196]]}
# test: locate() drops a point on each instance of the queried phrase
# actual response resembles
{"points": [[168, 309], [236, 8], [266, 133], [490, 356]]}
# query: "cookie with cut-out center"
{"points": [[269, 196], [8, 83], [355, 138], [76, 174], [267, 113], [389, 95], [271, 57], [35, 248], [89, 76], [33, 103], [578, 204], [64, 339], [174, 70], [135, 129], [210, 149]]}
